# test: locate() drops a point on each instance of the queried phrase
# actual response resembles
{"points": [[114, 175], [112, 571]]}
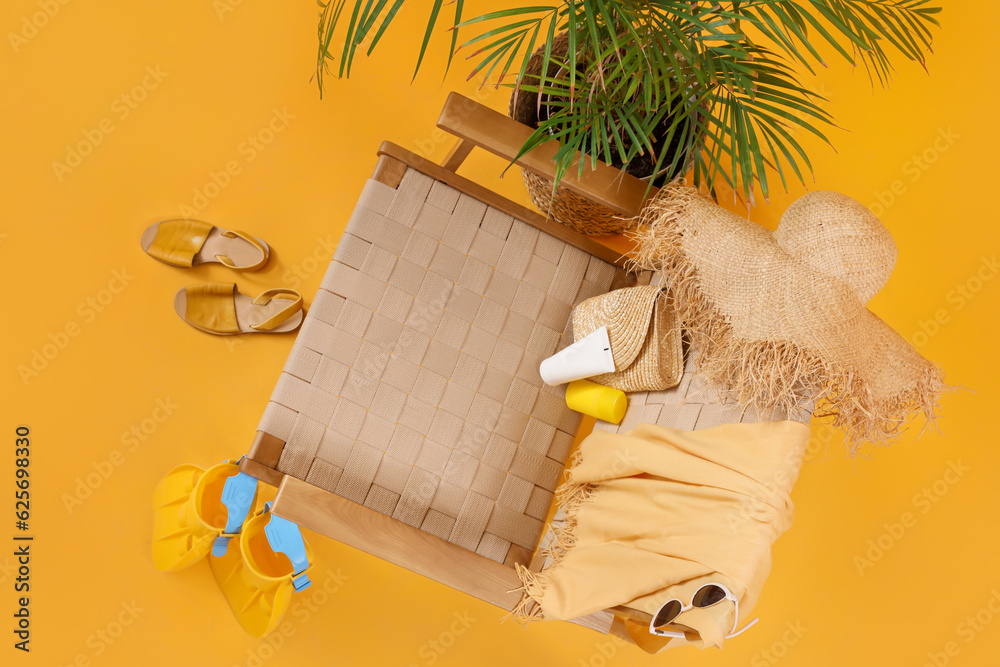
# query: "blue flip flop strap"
{"points": [[238, 496], [286, 538]]}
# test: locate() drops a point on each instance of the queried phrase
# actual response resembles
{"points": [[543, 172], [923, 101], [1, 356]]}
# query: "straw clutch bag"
{"points": [[645, 336]]}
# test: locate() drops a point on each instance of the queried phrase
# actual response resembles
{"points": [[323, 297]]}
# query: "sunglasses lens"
{"points": [[708, 595], [667, 613]]}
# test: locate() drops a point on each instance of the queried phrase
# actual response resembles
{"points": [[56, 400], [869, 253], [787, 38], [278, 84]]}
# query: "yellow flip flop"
{"points": [[187, 243], [260, 577], [196, 511], [220, 309]]}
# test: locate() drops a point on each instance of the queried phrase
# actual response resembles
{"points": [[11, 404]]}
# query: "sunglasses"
{"points": [[707, 596]]}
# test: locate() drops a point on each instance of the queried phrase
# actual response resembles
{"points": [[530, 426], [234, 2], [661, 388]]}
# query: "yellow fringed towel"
{"points": [[655, 513]]}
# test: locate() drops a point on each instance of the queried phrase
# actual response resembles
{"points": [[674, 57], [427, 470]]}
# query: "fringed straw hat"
{"points": [[779, 319]]}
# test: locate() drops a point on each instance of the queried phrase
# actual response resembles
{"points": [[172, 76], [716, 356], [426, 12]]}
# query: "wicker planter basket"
{"points": [[565, 207]]}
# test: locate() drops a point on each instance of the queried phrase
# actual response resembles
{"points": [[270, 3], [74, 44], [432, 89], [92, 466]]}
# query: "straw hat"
{"points": [[780, 319], [645, 337]]}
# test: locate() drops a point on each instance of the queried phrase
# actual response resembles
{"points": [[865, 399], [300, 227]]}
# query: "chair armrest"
{"points": [[477, 125]]}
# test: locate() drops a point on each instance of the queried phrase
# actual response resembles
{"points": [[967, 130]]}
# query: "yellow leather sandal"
{"points": [[187, 243], [219, 308]]}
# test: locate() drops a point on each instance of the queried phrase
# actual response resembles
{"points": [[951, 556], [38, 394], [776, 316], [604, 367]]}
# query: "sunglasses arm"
{"points": [[680, 635], [743, 629]]}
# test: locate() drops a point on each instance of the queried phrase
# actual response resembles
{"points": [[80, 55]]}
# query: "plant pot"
{"points": [[565, 206], [642, 166]]}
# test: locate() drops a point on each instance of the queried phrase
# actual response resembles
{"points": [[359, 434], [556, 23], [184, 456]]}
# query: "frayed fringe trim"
{"points": [[570, 497], [767, 374]]}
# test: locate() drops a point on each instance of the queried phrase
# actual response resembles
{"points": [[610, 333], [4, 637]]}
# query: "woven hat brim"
{"points": [[774, 332]]}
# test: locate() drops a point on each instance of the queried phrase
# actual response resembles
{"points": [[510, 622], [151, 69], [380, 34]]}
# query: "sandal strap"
{"points": [[225, 260], [278, 293], [211, 306]]}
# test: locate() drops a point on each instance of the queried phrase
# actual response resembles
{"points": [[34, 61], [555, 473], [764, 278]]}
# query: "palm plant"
{"points": [[714, 81]]}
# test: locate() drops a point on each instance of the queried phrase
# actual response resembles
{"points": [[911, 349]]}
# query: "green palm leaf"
{"points": [[642, 74]]}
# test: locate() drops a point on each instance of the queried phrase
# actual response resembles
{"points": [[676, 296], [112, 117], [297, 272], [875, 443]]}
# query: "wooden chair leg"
{"points": [[457, 154]]}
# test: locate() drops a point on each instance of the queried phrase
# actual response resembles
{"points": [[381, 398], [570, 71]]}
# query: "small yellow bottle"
{"points": [[596, 400]]}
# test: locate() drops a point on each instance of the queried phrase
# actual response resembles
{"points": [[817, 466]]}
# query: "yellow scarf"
{"points": [[655, 513]]}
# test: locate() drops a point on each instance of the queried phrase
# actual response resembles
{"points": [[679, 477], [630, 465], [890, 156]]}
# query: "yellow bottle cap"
{"points": [[596, 400]]}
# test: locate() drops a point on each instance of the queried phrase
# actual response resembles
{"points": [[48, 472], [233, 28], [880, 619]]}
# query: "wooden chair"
{"points": [[410, 421]]}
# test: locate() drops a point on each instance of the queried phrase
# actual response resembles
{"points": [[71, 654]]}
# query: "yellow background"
{"points": [[221, 76]]}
